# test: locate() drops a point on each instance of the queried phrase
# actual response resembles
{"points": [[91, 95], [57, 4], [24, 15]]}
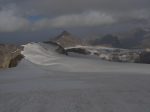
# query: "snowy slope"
{"points": [[48, 82], [36, 53], [45, 55]]}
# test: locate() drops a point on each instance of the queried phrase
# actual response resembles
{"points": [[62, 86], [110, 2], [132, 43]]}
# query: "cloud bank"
{"points": [[69, 13], [10, 21], [91, 18]]}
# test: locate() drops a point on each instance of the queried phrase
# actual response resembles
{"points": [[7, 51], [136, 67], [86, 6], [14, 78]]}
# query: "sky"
{"points": [[30, 20]]}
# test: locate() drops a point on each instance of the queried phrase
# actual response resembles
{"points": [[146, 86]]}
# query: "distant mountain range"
{"points": [[138, 39], [134, 39]]}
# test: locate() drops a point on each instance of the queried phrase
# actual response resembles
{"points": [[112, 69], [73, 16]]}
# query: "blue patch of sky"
{"points": [[35, 18]]}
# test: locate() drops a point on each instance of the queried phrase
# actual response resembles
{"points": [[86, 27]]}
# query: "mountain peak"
{"points": [[65, 33], [66, 39]]}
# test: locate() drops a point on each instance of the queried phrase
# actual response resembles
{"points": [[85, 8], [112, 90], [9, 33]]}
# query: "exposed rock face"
{"points": [[60, 49], [145, 57], [10, 55], [14, 61], [79, 51], [65, 39]]}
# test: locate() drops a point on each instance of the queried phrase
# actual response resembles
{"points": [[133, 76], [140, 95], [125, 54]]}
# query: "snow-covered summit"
{"points": [[40, 53]]}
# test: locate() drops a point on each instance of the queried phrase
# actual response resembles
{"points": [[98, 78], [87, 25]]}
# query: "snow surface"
{"points": [[49, 82]]}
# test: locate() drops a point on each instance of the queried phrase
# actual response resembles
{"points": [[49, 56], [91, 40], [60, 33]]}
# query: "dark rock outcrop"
{"points": [[14, 61], [10, 55], [66, 51], [78, 50], [59, 49], [145, 57]]}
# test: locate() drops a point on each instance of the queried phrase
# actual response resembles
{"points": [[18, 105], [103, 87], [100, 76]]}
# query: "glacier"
{"points": [[46, 81]]}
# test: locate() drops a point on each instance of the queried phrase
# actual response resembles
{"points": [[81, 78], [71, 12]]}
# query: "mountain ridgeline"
{"points": [[133, 46], [138, 38], [135, 39]]}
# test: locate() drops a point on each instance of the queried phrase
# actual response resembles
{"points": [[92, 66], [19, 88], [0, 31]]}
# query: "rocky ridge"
{"points": [[10, 55]]}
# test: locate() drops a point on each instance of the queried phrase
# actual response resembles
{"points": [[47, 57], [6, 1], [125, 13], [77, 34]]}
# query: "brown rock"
{"points": [[65, 39], [10, 55]]}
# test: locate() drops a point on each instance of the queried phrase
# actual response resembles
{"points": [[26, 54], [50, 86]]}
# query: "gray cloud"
{"points": [[10, 21], [70, 13], [91, 18], [57, 7]]}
